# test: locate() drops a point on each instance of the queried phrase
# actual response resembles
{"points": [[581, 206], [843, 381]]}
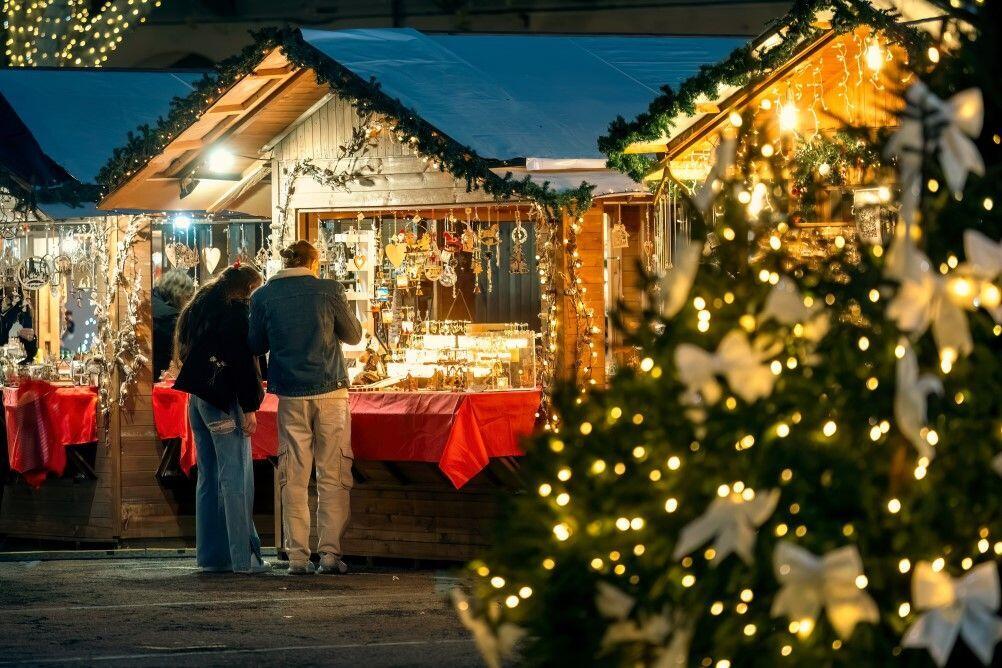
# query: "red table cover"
{"points": [[42, 420], [459, 431]]}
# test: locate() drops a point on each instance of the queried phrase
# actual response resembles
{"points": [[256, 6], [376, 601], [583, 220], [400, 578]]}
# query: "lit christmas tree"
{"points": [[805, 467]]}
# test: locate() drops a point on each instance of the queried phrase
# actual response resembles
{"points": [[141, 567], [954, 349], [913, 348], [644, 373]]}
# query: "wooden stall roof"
{"points": [[492, 108], [687, 129], [255, 110]]}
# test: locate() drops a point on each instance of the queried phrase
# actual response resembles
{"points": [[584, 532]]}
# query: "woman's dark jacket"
{"points": [[164, 319], [220, 368]]}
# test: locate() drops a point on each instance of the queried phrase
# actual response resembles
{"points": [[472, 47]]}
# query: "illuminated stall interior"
{"points": [[798, 110]]}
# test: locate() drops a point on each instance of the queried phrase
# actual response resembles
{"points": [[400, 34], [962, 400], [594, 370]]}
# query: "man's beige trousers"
{"points": [[314, 431]]}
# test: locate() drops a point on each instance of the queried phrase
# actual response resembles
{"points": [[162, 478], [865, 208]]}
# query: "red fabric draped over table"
{"points": [[459, 431], [42, 421]]}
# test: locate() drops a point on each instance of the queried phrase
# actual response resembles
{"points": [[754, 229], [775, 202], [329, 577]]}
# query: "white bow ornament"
{"points": [[811, 582], [924, 299], [493, 646], [735, 359], [910, 401], [785, 305], [616, 605], [964, 606], [723, 159], [945, 129], [677, 282], [984, 265], [732, 521]]}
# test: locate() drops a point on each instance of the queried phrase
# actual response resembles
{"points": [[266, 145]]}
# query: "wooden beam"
{"points": [[252, 177], [272, 72], [701, 127]]}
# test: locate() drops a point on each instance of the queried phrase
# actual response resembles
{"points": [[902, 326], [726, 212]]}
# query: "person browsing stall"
{"points": [[224, 381], [302, 320]]}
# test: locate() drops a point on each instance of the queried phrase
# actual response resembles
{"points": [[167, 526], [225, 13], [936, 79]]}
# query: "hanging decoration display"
{"points": [[519, 236], [181, 255]]}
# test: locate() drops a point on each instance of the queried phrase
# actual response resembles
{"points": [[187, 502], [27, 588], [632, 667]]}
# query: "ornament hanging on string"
{"points": [[619, 236], [211, 255], [469, 236], [519, 236], [477, 265], [490, 236], [648, 244]]}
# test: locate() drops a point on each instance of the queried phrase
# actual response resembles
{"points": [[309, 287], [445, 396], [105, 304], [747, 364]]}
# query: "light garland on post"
{"points": [[66, 33]]}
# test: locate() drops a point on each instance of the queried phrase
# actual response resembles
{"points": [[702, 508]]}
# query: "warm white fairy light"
{"points": [[66, 32]]}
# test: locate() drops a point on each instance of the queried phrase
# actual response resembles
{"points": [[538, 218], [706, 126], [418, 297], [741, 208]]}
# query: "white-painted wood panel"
{"points": [[399, 177]]}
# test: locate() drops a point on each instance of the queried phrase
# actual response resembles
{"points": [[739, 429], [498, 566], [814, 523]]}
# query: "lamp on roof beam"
{"points": [[220, 161], [788, 117]]}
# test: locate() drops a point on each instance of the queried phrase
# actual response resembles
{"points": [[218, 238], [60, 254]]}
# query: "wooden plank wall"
{"points": [[401, 180], [410, 510], [591, 252], [628, 289]]}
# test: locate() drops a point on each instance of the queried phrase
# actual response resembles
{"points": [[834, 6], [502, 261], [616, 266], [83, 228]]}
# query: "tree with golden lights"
{"points": [[66, 33], [805, 468]]}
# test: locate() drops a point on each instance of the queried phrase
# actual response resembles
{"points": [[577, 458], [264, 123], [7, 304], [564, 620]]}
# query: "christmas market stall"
{"points": [[818, 90], [74, 340], [453, 184]]}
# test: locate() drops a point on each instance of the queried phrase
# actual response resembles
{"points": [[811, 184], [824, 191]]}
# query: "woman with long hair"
{"points": [[224, 381]]}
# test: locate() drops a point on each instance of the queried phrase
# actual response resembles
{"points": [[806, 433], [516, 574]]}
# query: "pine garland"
{"points": [[743, 67], [366, 96]]}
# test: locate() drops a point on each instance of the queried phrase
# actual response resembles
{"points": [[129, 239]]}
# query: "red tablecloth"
{"points": [[459, 431], [42, 420]]}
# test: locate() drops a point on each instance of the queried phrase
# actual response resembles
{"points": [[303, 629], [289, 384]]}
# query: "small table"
{"points": [[42, 420], [460, 431]]}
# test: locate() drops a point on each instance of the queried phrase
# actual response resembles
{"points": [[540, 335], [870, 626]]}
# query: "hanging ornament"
{"points": [[33, 273], [8, 232], [395, 253], [469, 236], [619, 237], [339, 263], [519, 236], [648, 245], [211, 257], [181, 255]]}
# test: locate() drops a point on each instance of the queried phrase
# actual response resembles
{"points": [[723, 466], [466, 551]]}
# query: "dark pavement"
{"points": [[163, 612]]}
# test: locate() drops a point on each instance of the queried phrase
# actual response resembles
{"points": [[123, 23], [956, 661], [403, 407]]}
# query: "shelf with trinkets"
{"points": [[411, 271], [50, 276]]}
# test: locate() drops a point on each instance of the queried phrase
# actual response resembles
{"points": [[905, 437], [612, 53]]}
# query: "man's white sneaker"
{"points": [[331, 565], [302, 569]]}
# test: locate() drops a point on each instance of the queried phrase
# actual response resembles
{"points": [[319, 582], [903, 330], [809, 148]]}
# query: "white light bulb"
{"points": [[220, 161]]}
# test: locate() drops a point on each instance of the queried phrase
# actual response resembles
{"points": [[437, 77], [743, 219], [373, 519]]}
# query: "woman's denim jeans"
{"points": [[225, 536]]}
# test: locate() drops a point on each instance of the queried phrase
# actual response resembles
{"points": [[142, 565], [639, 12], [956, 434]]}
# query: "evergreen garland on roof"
{"points": [[744, 66], [365, 95]]}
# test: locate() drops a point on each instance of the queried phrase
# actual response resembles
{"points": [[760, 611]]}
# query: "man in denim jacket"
{"points": [[301, 320]]}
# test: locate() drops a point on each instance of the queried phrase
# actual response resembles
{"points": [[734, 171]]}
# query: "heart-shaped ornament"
{"points": [[211, 257], [171, 252], [359, 260], [395, 253]]}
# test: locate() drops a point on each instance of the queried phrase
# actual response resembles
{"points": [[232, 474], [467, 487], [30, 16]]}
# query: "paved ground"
{"points": [[163, 612]]}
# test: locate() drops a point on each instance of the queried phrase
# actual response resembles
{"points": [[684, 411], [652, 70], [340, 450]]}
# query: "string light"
{"points": [[66, 32]]}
